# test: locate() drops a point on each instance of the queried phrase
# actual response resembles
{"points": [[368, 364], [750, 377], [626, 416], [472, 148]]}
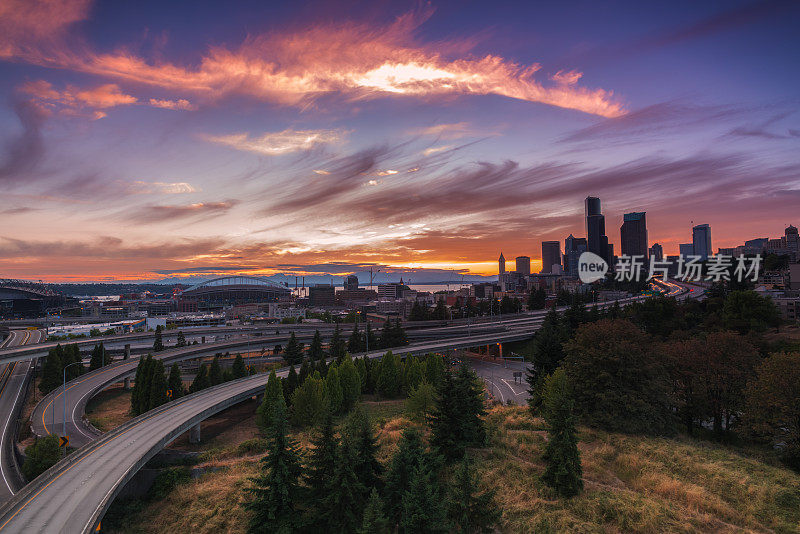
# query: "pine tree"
{"points": [[136, 392], [158, 344], [315, 351], [181, 339], [321, 464], [537, 299], [72, 355], [374, 521], [409, 455], [305, 370], [370, 339], [98, 357], [360, 437], [273, 394], [291, 383], [434, 369], [52, 369], [293, 354], [470, 392], [333, 390], [563, 472], [276, 492], [457, 420], [350, 383], [200, 381], [175, 382], [424, 508], [399, 337], [470, 511], [239, 370], [421, 402], [144, 392], [338, 347], [215, 372], [386, 340], [309, 402], [342, 504], [355, 343], [158, 386], [548, 353], [388, 382]]}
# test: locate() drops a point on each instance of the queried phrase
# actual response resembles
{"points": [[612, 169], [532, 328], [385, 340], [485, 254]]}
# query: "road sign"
{"points": [[169, 393], [517, 374], [63, 441]]}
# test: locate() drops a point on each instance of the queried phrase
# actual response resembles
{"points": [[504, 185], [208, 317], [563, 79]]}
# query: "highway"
{"points": [[13, 379]]}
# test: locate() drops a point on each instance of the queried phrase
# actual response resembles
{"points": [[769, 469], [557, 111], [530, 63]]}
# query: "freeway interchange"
{"points": [[73, 495]]}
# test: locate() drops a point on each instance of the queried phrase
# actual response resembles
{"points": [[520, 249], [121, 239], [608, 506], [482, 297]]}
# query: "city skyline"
{"points": [[147, 142]]}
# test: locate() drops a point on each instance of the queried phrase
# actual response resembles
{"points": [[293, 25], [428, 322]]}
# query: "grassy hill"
{"points": [[633, 484]]}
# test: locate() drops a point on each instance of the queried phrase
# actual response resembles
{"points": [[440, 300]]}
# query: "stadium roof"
{"points": [[238, 281]]}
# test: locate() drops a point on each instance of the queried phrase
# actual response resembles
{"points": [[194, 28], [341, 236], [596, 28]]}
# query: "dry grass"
{"points": [[632, 484], [109, 408]]}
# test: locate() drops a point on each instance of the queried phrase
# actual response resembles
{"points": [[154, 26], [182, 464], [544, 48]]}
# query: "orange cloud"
{"points": [[277, 143], [73, 100], [181, 104], [358, 61]]}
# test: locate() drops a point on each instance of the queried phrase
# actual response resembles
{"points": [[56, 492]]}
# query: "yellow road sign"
{"points": [[63, 441]]}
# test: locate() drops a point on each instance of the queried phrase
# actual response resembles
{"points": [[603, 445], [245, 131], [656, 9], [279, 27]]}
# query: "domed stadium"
{"points": [[232, 290], [23, 298]]}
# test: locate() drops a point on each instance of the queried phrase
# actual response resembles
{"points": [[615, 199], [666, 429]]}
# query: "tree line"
{"points": [[69, 357], [391, 335], [339, 485]]}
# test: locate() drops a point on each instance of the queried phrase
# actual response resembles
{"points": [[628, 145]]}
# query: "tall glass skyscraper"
{"points": [[701, 241], [596, 229], [633, 234]]}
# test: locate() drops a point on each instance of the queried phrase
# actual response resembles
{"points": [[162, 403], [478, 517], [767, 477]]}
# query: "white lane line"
{"points": [[502, 398], [511, 388]]}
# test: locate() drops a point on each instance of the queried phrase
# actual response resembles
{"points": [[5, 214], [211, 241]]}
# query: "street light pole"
{"points": [[64, 421]]}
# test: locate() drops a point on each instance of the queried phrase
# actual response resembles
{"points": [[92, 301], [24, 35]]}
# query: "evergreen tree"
{"points": [[305, 370], [181, 339], [276, 492], [350, 383], [414, 374], [424, 508], [273, 394], [386, 340], [215, 372], [309, 402], [409, 455], [338, 346], [434, 369], [470, 511], [52, 369], [200, 381], [421, 402], [71, 355], [342, 504], [158, 344], [98, 357], [333, 390], [456, 422], [374, 521], [548, 353], [321, 464], [370, 339], [293, 353], [158, 385], [291, 383], [575, 315], [563, 472], [144, 391], [537, 299], [388, 383], [360, 437], [399, 337], [315, 351], [355, 343], [370, 378], [136, 392], [239, 370], [175, 382]]}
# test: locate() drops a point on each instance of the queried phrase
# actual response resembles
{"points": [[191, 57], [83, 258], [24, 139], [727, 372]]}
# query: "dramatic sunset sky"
{"points": [[143, 140]]}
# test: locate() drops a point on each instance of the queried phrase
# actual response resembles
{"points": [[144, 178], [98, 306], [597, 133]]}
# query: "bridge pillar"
{"points": [[202, 339], [127, 355], [194, 434]]}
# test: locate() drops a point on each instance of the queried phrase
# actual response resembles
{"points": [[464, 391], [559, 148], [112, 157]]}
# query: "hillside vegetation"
{"points": [[632, 484]]}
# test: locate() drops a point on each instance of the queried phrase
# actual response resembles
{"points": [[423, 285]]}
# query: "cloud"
{"points": [[18, 211], [358, 61], [445, 131], [275, 144], [179, 104], [434, 150], [167, 188], [567, 78], [27, 25], [26, 151], [156, 214], [74, 101]]}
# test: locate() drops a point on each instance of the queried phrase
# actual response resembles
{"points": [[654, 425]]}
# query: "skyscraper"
{"points": [[551, 255], [501, 264], [596, 229], [657, 251], [686, 249], [351, 283], [633, 234], [523, 265], [701, 241], [573, 248]]}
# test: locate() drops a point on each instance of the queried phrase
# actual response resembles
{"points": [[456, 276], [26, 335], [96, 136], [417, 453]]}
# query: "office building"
{"points": [[686, 249], [633, 234], [351, 283], [501, 265], [701, 241], [573, 248], [551, 255], [392, 290], [597, 240], [322, 295], [523, 265], [792, 238], [657, 252]]}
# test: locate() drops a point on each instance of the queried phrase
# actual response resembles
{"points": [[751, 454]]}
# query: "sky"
{"points": [[144, 140]]}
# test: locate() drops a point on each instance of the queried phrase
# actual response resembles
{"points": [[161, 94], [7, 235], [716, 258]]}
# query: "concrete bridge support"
{"points": [[194, 434], [126, 356]]}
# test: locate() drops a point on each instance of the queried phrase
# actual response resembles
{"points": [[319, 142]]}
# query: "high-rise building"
{"points": [[573, 248], [523, 265], [792, 238], [657, 251], [597, 240], [686, 249], [633, 234], [501, 264], [701, 241], [351, 283], [551, 255]]}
